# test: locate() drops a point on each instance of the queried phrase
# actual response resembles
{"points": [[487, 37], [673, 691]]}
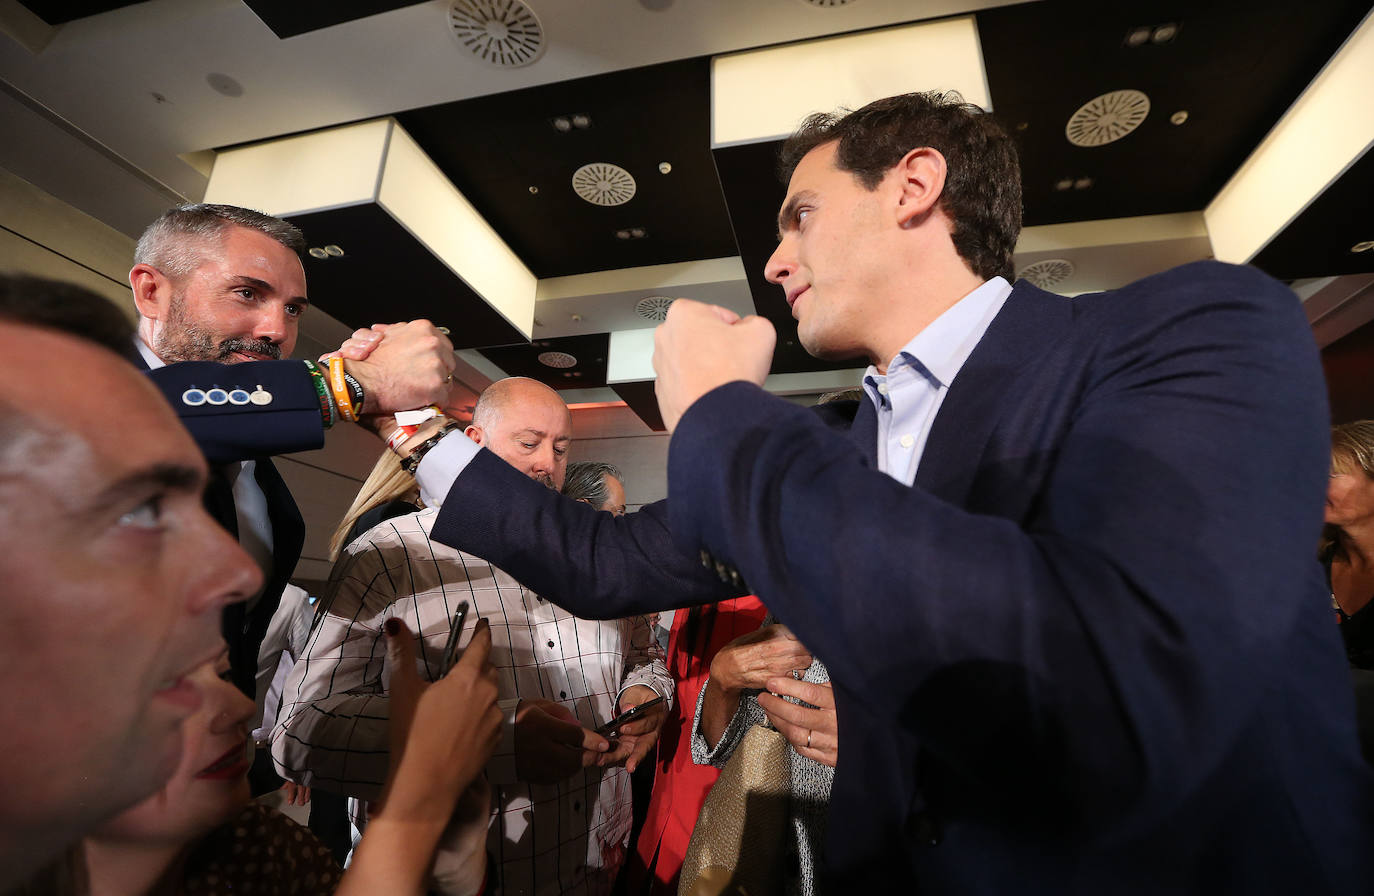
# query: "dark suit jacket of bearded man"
{"points": [[228, 433]]}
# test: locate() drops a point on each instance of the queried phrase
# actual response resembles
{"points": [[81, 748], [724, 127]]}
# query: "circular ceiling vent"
{"points": [[560, 360], [504, 33], [602, 183], [654, 308], [1049, 273], [1107, 118]]}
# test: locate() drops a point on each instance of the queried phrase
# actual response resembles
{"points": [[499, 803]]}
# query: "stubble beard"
{"points": [[182, 339]]}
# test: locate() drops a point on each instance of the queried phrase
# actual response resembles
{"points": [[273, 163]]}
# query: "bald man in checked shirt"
{"points": [[560, 790]]}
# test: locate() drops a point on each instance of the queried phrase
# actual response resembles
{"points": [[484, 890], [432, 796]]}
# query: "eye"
{"points": [[147, 515], [560, 451], [226, 673], [295, 310], [802, 214], [529, 446], [247, 293]]}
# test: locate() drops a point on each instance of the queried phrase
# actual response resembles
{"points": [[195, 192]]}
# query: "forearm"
{"points": [[718, 707], [394, 857], [595, 565]]}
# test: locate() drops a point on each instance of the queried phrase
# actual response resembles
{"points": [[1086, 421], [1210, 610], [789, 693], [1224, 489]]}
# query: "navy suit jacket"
{"points": [[1089, 652], [231, 433]]}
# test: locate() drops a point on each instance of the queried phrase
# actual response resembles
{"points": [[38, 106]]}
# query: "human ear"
{"points": [[474, 432], [152, 291], [921, 178]]}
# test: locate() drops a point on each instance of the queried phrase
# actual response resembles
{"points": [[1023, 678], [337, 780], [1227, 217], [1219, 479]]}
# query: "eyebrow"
{"points": [[158, 477], [789, 210]]}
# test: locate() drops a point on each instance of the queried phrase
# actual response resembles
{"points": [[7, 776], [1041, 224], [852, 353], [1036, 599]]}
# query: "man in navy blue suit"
{"points": [[220, 291], [1058, 560]]}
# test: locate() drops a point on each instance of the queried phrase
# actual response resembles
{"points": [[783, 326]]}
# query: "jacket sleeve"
{"points": [[277, 410], [590, 562]]}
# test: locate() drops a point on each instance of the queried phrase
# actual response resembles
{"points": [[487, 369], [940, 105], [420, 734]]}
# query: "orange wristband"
{"points": [[339, 387]]}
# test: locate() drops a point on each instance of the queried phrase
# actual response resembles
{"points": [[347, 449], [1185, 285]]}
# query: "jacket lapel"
{"points": [[986, 388]]}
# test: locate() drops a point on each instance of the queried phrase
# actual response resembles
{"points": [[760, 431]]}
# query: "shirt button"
{"points": [[550, 643], [882, 388], [908, 440], [562, 695]]}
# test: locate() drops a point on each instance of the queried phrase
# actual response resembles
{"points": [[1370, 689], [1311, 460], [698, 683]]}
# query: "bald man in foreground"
{"points": [[562, 794]]}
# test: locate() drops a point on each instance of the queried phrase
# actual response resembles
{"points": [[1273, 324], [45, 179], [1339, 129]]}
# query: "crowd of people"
{"points": [[1053, 575]]}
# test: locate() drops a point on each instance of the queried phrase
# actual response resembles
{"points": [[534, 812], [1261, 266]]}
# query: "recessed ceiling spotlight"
{"points": [[1082, 183], [1165, 33], [828, 4], [561, 124], [1022, 125], [1064, 183], [558, 360], [1179, 117], [638, 233], [1138, 37], [333, 251], [1107, 118], [1363, 247], [665, 167], [622, 234], [506, 34], [1048, 273], [576, 318], [581, 122], [654, 308], [534, 191], [602, 183], [317, 252]]}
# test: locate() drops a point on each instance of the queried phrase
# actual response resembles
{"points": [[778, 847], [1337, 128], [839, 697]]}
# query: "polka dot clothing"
{"points": [[260, 852]]}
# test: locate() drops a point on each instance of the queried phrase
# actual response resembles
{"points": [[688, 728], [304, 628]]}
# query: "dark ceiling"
{"points": [[1233, 67]]}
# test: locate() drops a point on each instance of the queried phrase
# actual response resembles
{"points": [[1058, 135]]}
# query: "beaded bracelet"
{"points": [[328, 414], [339, 388]]}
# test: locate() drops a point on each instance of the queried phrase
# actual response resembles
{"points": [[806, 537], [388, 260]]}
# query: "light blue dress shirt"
{"points": [[919, 377]]}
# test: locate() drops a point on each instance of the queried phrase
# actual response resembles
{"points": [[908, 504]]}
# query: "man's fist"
{"points": [[700, 347]]}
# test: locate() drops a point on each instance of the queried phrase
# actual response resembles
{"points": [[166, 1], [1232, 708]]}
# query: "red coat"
{"points": [[680, 787]]}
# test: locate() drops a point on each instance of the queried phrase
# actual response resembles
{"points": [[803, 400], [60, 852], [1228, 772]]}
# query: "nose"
{"points": [[543, 460], [233, 707], [780, 264], [226, 574], [272, 324]]}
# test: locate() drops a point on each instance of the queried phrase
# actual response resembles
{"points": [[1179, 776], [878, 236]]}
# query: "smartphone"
{"points": [[628, 716], [454, 630]]}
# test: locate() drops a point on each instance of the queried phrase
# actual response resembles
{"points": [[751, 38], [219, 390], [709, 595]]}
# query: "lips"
{"points": [[233, 763], [251, 356], [793, 296]]}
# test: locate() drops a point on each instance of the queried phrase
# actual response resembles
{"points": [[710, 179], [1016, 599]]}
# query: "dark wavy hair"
{"points": [[982, 193]]}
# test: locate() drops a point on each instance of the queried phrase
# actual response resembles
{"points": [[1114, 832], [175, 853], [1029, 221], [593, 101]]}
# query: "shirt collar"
{"points": [[941, 349], [152, 360]]}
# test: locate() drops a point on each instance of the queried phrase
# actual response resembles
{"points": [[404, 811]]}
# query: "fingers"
{"points": [[821, 694], [478, 652], [641, 749], [813, 733], [405, 681]]}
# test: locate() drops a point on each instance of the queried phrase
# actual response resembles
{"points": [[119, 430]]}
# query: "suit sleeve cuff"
{"points": [[442, 465]]}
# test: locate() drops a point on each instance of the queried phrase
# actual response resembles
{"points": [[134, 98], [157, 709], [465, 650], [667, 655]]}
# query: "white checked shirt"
{"points": [[568, 837]]}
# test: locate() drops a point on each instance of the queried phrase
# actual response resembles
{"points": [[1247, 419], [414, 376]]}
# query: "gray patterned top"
{"points": [[810, 784]]}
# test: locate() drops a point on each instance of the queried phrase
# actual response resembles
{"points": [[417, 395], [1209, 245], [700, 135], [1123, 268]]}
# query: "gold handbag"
{"points": [[737, 843]]}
